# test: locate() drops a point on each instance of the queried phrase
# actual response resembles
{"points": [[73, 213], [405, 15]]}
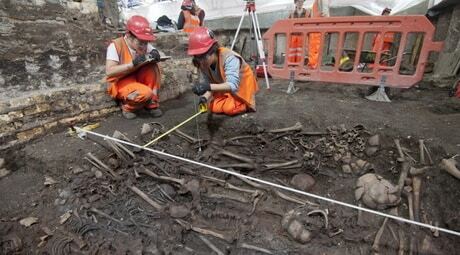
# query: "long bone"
{"points": [[449, 165], [99, 164], [145, 171], [418, 171], [378, 236], [187, 137], [269, 166], [256, 194], [296, 127], [230, 140], [236, 156], [252, 247], [404, 172], [416, 185], [237, 165], [203, 231], [146, 198], [400, 151], [222, 196], [421, 146], [294, 200], [211, 245], [230, 186]]}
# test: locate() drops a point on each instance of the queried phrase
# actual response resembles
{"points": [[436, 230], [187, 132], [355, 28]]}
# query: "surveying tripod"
{"points": [[251, 9]]}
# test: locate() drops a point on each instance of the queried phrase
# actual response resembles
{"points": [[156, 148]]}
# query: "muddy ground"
{"points": [[89, 211]]}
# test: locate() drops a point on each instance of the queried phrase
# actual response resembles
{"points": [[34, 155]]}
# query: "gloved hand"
{"points": [[138, 60], [203, 104], [203, 100], [155, 55], [132, 95], [200, 88]]}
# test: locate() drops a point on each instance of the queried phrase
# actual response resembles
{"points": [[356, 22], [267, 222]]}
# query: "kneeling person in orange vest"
{"points": [[229, 84], [132, 79]]}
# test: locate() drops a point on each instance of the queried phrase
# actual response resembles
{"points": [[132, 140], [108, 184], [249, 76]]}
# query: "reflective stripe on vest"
{"points": [[248, 84], [191, 21]]}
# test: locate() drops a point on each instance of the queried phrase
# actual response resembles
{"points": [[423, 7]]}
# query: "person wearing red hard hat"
{"points": [[228, 85], [388, 38], [132, 82], [190, 17], [296, 41]]}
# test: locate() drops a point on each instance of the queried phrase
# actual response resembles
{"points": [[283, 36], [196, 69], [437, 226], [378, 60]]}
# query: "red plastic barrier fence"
{"points": [[388, 50]]}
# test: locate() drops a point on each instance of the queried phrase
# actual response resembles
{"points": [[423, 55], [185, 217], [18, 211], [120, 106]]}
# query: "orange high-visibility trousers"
{"points": [[143, 82], [314, 40], [295, 49], [227, 103]]}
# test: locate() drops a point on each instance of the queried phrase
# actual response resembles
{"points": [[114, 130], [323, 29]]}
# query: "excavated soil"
{"points": [[87, 210]]}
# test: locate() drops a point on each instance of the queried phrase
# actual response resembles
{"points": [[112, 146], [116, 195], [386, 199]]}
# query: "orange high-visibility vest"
{"points": [[295, 15], [248, 84], [388, 40], [314, 39], [191, 21], [296, 42], [125, 57]]}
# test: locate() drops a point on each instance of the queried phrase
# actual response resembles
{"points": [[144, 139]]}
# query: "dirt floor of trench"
{"points": [[88, 211]]}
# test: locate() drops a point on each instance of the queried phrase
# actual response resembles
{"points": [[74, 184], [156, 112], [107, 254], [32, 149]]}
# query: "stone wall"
{"points": [[32, 115], [49, 44], [52, 56]]}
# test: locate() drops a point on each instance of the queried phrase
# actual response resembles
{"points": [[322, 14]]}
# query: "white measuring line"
{"points": [[80, 130]]}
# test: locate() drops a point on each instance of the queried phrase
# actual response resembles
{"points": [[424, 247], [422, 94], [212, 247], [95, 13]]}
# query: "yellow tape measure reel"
{"points": [[203, 107]]}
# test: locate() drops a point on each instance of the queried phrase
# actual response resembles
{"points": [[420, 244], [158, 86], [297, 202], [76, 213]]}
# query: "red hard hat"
{"points": [[140, 27], [200, 41], [187, 4]]}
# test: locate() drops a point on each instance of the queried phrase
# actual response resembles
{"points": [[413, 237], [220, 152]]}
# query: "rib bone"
{"points": [[324, 213]]}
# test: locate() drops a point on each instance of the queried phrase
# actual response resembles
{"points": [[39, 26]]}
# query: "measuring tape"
{"points": [[202, 108]]}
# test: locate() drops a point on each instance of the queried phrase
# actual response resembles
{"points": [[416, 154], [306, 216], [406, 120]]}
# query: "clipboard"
{"points": [[146, 62]]}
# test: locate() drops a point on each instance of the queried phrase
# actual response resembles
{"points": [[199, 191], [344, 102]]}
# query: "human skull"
{"points": [[376, 192]]}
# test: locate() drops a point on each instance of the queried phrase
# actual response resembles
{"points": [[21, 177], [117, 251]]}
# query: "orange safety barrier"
{"points": [[349, 51]]}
